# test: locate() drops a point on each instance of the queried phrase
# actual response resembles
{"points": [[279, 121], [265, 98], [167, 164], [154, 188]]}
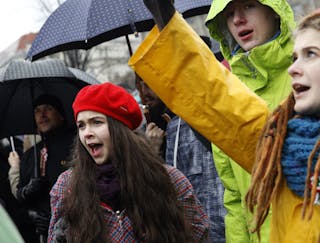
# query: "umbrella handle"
{"points": [[129, 45], [12, 144], [42, 238]]}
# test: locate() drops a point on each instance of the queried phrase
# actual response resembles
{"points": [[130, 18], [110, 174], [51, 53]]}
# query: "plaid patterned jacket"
{"points": [[119, 225]]}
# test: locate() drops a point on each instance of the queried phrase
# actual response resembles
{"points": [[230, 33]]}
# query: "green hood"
{"points": [[219, 30]]}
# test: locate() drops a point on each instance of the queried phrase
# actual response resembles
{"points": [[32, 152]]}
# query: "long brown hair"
{"points": [[266, 173], [147, 192]]}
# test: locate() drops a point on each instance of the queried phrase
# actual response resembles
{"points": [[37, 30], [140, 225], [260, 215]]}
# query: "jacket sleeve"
{"points": [[57, 194], [193, 210], [14, 177], [183, 72]]}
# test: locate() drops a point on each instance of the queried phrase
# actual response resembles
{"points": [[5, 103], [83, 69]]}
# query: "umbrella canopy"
{"points": [[82, 24], [21, 82]]}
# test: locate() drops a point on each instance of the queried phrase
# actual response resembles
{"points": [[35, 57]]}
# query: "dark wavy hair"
{"points": [[147, 193]]}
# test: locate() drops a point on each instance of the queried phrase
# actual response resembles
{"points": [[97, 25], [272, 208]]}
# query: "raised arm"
{"points": [[179, 67]]}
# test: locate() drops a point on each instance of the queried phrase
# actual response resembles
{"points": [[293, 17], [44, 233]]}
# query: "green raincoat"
{"points": [[264, 70], [179, 67]]}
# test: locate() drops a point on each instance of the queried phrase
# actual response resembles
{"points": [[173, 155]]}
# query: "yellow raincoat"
{"points": [[182, 71]]}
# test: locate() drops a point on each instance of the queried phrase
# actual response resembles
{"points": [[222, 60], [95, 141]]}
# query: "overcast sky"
{"points": [[19, 17]]}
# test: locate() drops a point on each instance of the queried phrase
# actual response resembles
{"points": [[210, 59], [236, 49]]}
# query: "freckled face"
{"points": [[94, 135], [305, 72]]}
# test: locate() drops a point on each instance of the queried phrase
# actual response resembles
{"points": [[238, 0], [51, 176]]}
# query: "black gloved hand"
{"points": [[41, 222], [33, 189], [161, 10]]}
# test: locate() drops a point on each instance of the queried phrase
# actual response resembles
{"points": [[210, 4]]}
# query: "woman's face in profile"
{"points": [[305, 72]]}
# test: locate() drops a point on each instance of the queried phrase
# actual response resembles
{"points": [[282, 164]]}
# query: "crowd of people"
{"points": [[219, 105], [224, 148]]}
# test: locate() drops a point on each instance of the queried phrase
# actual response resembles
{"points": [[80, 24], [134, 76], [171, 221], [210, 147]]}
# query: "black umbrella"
{"points": [[22, 81], [82, 24]]}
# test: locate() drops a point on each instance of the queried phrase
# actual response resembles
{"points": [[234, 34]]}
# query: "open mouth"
{"points": [[94, 147], [299, 88], [245, 33]]}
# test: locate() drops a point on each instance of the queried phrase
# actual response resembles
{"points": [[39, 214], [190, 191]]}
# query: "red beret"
{"points": [[111, 100]]}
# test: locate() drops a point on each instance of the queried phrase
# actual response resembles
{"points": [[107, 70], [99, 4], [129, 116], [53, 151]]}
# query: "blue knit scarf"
{"points": [[302, 135]]}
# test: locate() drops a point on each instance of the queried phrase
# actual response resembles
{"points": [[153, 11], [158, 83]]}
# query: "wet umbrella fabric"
{"points": [[21, 82], [82, 24]]}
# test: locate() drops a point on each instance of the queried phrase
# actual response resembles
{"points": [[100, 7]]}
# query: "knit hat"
{"points": [[48, 99], [111, 100]]}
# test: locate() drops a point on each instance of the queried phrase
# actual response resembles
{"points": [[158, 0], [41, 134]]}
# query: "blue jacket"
{"points": [[194, 159]]}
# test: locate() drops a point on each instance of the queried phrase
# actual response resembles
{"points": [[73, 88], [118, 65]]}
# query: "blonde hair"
{"points": [[310, 21]]}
